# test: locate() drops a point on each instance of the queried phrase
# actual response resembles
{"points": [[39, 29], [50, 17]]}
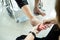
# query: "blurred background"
{"points": [[13, 21]]}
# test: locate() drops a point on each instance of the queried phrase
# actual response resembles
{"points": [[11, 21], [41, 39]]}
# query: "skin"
{"points": [[37, 10]]}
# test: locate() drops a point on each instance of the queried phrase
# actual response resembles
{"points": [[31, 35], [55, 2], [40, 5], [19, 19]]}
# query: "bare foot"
{"points": [[38, 11], [35, 21]]}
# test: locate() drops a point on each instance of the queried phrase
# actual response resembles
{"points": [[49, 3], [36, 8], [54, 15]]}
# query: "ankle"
{"points": [[33, 17], [36, 7]]}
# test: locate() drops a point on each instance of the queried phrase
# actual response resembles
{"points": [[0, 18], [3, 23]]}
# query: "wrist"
{"points": [[33, 34], [35, 31]]}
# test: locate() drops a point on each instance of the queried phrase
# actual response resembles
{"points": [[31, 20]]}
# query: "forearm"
{"points": [[32, 35], [29, 37]]}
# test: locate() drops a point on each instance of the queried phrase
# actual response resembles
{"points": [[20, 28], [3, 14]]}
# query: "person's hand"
{"points": [[46, 21], [40, 27], [49, 21], [43, 26], [35, 29]]}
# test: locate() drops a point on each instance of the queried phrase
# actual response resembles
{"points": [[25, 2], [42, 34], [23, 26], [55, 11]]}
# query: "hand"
{"points": [[49, 21], [35, 29], [43, 26], [40, 27], [46, 21]]}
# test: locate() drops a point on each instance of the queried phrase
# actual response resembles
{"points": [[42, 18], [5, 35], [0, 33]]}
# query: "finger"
{"points": [[41, 27]]}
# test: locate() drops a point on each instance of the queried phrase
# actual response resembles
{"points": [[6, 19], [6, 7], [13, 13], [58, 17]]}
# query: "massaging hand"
{"points": [[40, 27], [43, 26]]}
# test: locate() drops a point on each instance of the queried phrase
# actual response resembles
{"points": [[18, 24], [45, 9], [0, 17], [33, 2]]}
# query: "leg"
{"points": [[33, 19], [37, 10], [24, 6]]}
